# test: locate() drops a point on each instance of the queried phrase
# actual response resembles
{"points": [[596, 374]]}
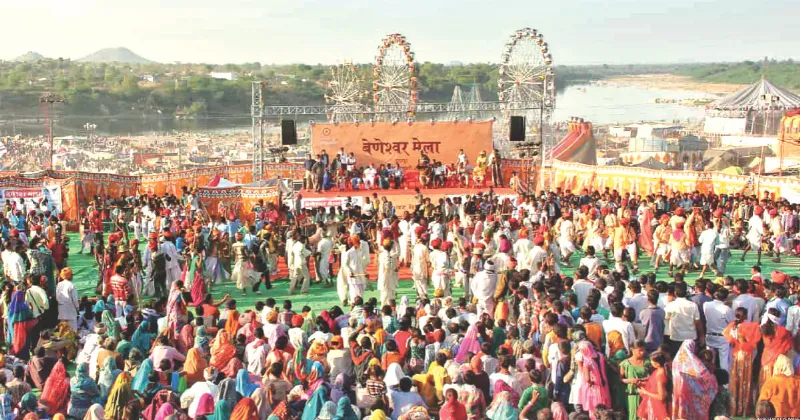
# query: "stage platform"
{"points": [[403, 199]]}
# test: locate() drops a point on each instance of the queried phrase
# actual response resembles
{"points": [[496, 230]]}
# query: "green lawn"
{"points": [[322, 298]]}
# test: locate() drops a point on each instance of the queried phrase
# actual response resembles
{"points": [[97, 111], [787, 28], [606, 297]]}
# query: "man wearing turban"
{"points": [[168, 248], [440, 264], [522, 247], [324, 251], [625, 240], [387, 272], [420, 264], [566, 235], [299, 268], [661, 240], [243, 273], [755, 233], [355, 270], [67, 297], [483, 285]]}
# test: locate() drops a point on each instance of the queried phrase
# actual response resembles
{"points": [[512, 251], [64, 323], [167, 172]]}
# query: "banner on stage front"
{"points": [[33, 196], [327, 202], [401, 142]]}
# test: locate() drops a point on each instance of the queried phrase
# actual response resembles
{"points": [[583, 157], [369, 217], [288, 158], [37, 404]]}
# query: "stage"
{"points": [[404, 199]]}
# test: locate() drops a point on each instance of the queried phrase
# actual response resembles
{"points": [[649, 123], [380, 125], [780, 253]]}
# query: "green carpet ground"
{"points": [[321, 298]]}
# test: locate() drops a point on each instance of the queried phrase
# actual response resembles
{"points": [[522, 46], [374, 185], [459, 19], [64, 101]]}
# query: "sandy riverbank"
{"points": [[673, 82]]}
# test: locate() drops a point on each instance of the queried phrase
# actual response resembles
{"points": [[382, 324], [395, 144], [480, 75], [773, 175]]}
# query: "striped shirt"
{"points": [[119, 287]]}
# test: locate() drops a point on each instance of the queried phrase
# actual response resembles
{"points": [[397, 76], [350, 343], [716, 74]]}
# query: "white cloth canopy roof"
{"points": [[758, 96]]}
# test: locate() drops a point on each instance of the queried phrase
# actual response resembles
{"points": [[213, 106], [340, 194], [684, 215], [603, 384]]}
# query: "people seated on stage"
{"points": [[351, 163], [396, 175], [369, 176], [327, 181], [355, 180], [438, 174], [341, 177], [383, 177], [462, 171]]}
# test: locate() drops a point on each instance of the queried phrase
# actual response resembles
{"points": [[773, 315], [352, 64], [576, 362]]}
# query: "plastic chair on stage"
{"points": [[411, 179]]}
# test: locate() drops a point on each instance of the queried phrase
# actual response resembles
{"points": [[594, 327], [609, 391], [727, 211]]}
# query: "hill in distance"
{"points": [[30, 56], [115, 55]]}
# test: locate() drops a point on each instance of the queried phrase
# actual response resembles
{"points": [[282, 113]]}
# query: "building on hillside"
{"points": [[150, 78], [224, 75]]}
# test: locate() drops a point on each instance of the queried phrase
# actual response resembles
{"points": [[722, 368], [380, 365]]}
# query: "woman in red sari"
{"points": [[777, 341], [55, 393], [744, 336], [655, 391], [222, 351]]}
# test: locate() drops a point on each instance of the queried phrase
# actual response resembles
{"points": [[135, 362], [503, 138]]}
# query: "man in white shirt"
{"points": [[462, 157], [191, 397], [718, 315], [582, 287], [755, 232], [338, 359], [708, 244], [591, 262], [638, 300], [744, 299], [522, 247], [616, 323], [14, 265], [405, 235], [67, 298], [36, 298], [255, 353], [369, 176], [683, 319], [324, 249]]}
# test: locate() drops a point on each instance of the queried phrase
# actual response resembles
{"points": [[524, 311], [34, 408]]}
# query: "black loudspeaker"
{"points": [[517, 132], [288, 132]]}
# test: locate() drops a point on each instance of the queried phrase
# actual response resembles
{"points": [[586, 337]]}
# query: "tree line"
{"points": [[187, 90]]}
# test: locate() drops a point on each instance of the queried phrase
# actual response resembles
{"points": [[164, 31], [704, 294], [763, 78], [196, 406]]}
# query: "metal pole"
{"points": [[50, 131]]}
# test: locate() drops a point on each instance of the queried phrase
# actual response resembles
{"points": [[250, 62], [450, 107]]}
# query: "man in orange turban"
{"points": [[625, 240], [420, 266], [354, 267], [387, 272], [67, 297]]}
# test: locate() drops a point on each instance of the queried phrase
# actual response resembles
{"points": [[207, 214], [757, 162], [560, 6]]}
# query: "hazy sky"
{"points": [[329, 31]]}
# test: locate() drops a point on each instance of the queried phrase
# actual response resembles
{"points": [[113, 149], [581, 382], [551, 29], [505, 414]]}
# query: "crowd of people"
{"points": [[342, 172], [532, 308]]}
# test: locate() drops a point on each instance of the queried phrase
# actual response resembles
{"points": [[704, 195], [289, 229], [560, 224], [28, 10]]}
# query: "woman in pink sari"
{"points": [[469, 344], [693, 385], [646, 229], [176, 308], [592, 365], [185, 339]]}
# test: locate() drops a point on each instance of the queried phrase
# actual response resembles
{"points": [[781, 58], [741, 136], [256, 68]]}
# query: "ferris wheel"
{"points": [[526, 72], [344, 91], [394, 83]]}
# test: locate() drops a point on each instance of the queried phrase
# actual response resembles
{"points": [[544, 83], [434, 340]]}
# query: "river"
{"points": [[610, 103], [599, 102]]}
